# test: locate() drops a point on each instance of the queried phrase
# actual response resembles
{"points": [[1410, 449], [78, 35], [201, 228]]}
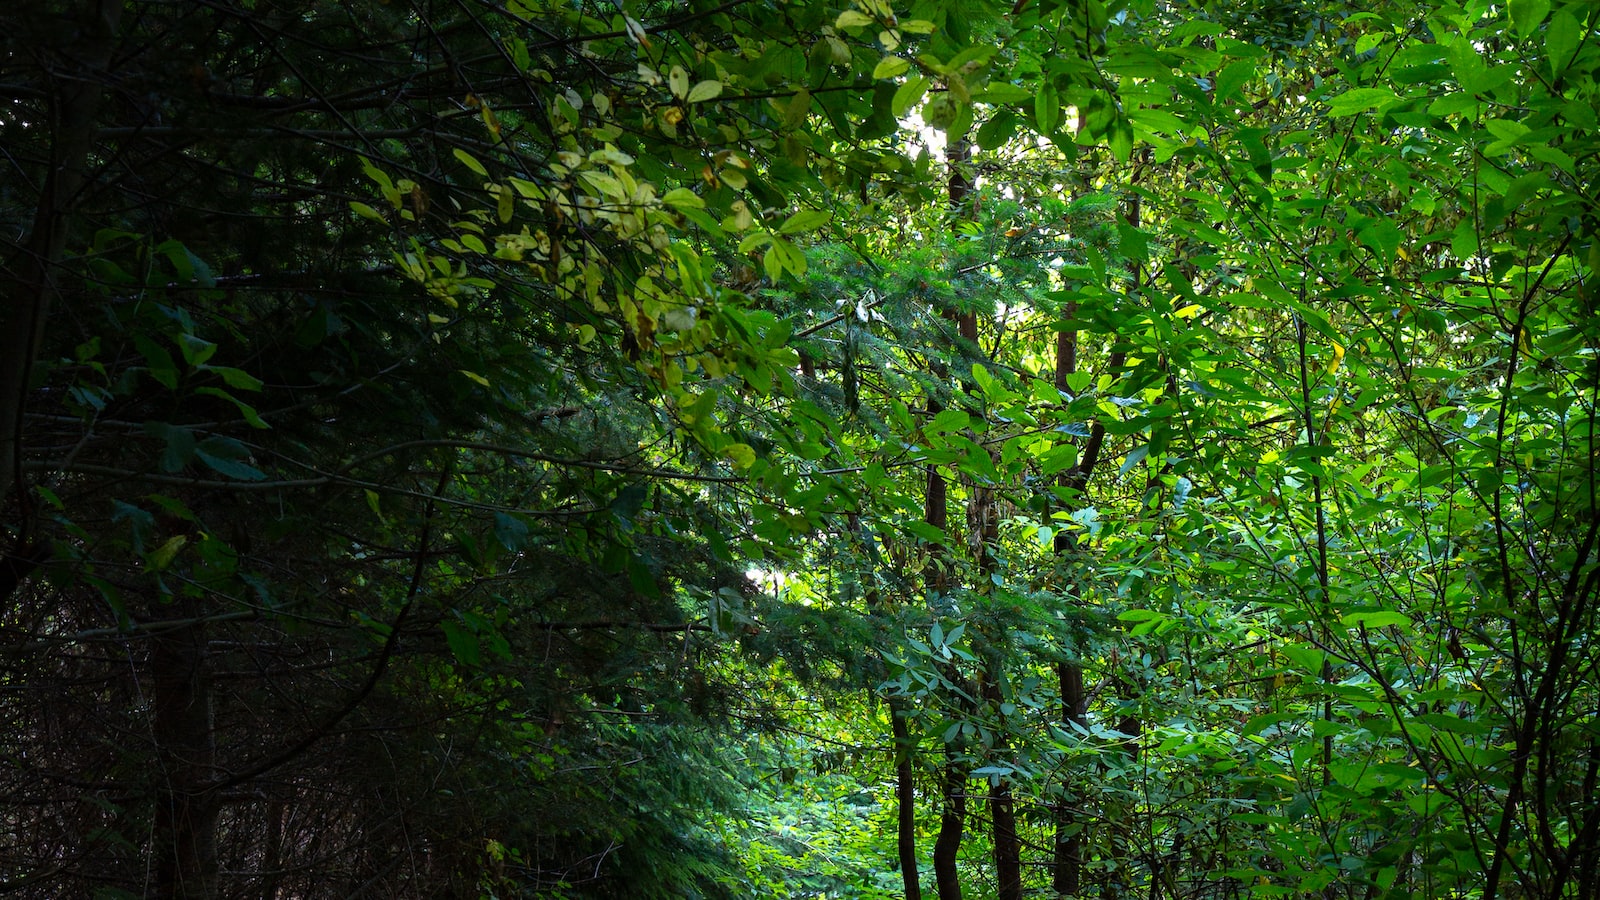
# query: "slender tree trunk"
{"points": [[953, 812], [185, 835], [1067, 870], [73, 117], [906, 800], [905, 791], [952, 823], [1003, 819]]}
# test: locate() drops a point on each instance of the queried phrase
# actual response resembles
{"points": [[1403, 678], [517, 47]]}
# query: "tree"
{"points": [[428, 428]]}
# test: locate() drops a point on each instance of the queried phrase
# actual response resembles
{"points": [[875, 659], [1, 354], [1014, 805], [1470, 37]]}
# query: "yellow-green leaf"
{"points": [[1528, 15], [1047, 108], [804, 220], [365, 211], [890, 66], [471, 162], [1359, 100], [851, 18], [476, 377], [705, 90], [743, 455], [162, 556], [683, 198]]}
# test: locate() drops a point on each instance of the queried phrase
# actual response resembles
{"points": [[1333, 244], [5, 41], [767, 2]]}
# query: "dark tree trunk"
{"points": [[906, 800], [1003, 818], [1067, 870], [74, 114], [952, 824], [185, 837]]}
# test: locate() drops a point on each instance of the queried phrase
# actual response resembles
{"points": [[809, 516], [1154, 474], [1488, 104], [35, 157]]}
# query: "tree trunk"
{"points": [[1067, 870], [906, 800], [952, 822], [1003, 819], [73, 118], [185, 835]]}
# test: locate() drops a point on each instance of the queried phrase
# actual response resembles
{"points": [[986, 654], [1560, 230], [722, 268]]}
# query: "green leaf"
{"points": [[851, 18], [1383, 236], [162, 557], [683, 198], [949, 420], [227, 457], [1046, 109], [365, 211], [236, 378], [1455, 724], [1134, 457], [1231, 79], [1378, 618], [1359, 100], [510, 531], [180, 444], [805, 220], [463, 643], [248, 412], [742, 455], [468, 160], [890, 66], [705, 90], [1528, 15], [908, 94], [1561, 39], [999, 92]]}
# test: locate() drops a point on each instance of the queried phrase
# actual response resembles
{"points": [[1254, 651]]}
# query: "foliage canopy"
{"points": [[777, 448]]}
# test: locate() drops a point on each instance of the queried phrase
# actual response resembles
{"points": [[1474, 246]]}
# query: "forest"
{"points": [[915, 449]]}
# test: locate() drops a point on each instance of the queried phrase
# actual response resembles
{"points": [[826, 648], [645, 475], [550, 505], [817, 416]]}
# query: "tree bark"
{"points": [[952, 824], [906, 801], [1003, 819], [1067, 869], [73, 117], [185, 835]]}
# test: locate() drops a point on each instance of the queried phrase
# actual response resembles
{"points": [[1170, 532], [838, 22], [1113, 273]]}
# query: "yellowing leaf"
{"points": [[1190, 311], [678, 82], [743, 455], [636, 31], [476, 377], [851, 18], [1338, 357]]}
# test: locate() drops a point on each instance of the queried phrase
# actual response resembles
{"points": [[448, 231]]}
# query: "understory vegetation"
{"points": [[781, 448]]}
